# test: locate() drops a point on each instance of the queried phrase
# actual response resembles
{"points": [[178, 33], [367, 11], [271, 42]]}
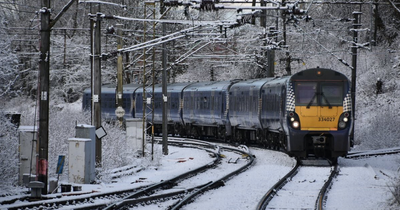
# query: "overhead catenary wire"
{"points": [[160, 40], [184, 22], [327, 50]]}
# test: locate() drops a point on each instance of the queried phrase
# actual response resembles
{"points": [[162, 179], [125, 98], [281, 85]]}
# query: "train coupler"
{"points": [[319, 143]]}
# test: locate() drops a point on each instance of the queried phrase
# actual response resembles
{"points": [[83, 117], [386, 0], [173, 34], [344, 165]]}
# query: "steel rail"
{"points": [[193, 192], [319, 204], [136, 191], [387, 151], [274, 189], [215, 184], [167, 183]]}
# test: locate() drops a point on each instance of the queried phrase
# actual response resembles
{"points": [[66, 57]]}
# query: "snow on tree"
{"points": [[9, 63]]}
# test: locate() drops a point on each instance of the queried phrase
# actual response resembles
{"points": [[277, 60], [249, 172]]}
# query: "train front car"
{"points": [[318, 114]]}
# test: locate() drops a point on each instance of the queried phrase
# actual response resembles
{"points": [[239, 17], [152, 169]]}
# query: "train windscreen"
{"points": [[331, 94], [318, 94], [305, 93]]}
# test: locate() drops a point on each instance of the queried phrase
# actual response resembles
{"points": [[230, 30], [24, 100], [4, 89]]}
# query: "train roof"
{"points": [[175, 87], [149, 88], [130, 88], [210, 85], [108, 88], [318, 74], [171, 87], [251, 83]]}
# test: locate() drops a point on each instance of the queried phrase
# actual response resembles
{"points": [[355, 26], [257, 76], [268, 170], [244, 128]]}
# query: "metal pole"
{"points": [[165, 98], [96, 82], [253, 19], [288, 58], [44, 89], [153, 57], [144, 87], [356, 25], [263, 18], [65, 46], [44, 72], [119, 73], [271, 55]]}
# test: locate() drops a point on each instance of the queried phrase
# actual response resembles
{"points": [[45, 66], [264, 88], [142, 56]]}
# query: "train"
{"points": [[307, 114]]}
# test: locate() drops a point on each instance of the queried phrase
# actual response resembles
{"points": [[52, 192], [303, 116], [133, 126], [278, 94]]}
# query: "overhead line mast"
{"points": [[43, 88]]}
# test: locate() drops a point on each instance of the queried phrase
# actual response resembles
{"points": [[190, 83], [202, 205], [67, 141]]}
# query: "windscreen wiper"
{"points": [[330, 106], [309, 104]]}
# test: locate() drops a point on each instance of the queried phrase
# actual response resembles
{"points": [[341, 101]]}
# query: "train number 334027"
{"points": [[326, 119]]}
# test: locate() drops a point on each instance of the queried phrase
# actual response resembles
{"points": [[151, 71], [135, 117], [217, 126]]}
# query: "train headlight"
{"points": [[293, 120], [344, 120], [296, 124]]}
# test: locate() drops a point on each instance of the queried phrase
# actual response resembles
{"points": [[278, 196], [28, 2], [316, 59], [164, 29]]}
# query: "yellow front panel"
{"points": [[319, 118]]}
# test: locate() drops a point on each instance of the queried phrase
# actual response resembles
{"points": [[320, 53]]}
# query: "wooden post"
{"points": [[44, 93]]}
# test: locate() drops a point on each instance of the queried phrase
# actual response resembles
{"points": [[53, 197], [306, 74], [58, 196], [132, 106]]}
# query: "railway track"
{"points": [[190, 188], [182, 188], [314, 183], [304, 187], [361, 154]]}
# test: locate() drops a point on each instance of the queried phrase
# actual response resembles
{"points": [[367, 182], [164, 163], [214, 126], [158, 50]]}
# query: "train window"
{"points": [[332, 93], [242, 101], [255, 103], [212, 103], [190, 103], [157, 103], [173, 104], [198, 103], [305, 93]]}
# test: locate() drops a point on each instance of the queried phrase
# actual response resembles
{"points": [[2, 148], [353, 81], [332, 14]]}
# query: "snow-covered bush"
{"points": [[376, 133], [117, 153], [8, 155], [394, 188], [9, 63], [63, 118]]}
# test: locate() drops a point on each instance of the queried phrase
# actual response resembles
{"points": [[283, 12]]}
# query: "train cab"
{"points": [[319, 113]]}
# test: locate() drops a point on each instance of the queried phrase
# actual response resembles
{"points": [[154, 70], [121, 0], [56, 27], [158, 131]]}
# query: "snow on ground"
{"points": [[364, 183], [247, 189], [302, 190], [178, 161], [361, 184]]}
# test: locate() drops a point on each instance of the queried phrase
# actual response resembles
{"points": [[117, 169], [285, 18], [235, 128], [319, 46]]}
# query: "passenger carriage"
{"points": [[205, 109]]}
